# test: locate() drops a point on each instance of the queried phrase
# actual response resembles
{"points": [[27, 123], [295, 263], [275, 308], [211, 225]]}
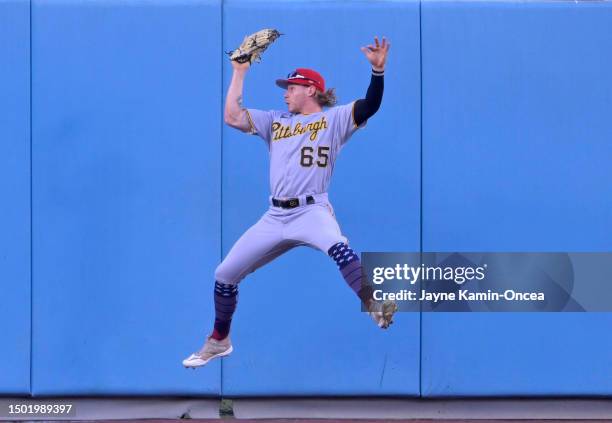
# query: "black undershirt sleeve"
{"points": [[366, 107]]}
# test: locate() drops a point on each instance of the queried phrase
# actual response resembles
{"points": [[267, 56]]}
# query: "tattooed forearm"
{"points": [[235, 113]]}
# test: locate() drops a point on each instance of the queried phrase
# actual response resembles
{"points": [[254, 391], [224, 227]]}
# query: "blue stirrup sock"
{"points": [[350, 266], [226, 298]]}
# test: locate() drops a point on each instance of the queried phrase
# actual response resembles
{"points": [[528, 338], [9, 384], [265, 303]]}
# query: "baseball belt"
{"points": [[291, 203]]}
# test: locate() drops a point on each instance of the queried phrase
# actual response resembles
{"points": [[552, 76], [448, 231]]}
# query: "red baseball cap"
{"points": [[303, 76]]}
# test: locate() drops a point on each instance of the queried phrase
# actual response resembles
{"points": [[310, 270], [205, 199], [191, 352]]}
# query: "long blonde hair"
{"points": [[326, 99]]}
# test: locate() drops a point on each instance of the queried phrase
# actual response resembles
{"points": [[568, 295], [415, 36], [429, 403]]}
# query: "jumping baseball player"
{"points": [[303, 143]]}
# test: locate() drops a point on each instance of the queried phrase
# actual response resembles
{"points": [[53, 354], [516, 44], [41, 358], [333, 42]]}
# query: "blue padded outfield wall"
{"points": [[123, 190], [15, 193], [126, 192], [516, 157]]}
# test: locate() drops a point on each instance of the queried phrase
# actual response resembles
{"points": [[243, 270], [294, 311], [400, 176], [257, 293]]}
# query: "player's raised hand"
{"points": [[377, 53]]}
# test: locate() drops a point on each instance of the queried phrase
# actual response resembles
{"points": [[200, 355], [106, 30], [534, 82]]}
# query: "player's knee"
{"points": [[225, 275], [342, 254]]}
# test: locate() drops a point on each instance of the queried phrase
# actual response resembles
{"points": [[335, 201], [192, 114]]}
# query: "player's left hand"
{"points": [[377, 53]]}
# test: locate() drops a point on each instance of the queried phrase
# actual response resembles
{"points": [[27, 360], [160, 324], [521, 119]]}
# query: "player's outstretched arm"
{"points": [[377, 56], [235, 115]]}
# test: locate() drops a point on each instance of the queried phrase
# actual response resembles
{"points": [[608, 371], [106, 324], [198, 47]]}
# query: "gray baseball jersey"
{"points": [[302, 147]]}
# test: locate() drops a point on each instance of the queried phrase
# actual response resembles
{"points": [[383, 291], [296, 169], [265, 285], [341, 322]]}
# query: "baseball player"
{"points": [[303, 143]]}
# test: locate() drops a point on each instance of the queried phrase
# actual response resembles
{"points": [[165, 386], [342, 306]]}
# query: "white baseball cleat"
{"points": [[211, 349], [382, 313]]}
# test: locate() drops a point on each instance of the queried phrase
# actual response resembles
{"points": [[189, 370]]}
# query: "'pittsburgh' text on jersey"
{"points": [[303, 147]]}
